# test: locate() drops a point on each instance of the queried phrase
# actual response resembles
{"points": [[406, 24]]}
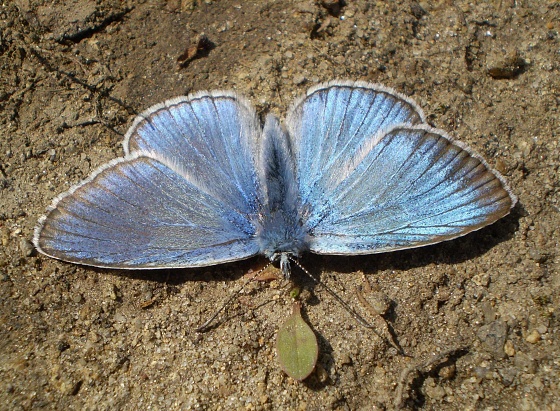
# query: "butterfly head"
{"points": [[284, 259]]}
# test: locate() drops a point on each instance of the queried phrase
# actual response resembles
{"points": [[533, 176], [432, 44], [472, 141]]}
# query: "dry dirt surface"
{"points": [[478, 317]]}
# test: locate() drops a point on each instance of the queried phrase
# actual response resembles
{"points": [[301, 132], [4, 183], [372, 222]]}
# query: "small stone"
{"points": [[114, 293], [525, 363], [508, 375], [333, 6], [488, 311], [506, 66], [417, 11], [299, 79], [321, 374], [62, 346], [119, 317], [26, 247], [534, 337], [482, 372], [542, 329], [537, 383], [509, 349], [482, 280], [448, 372], [537, 255], [501, 166], [345, 360], [380, 302], [433, 391], [138, 324], [5, 236], [493, 336]]}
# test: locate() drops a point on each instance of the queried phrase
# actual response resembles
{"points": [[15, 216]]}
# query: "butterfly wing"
{"points": [[404, 186], [186, 194], [332, 122], [138, 212], [213, 136]]}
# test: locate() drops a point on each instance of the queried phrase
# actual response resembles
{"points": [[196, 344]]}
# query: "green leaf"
{"points": [[297, 346]]}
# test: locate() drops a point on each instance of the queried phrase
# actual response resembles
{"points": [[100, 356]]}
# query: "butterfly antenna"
{"points": [[346, 306], [204, 327]]}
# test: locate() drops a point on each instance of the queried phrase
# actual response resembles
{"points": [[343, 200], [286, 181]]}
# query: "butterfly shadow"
{"points": [[453, 252], [179, 276], [450, 253], [456, 251], [165, 282]]}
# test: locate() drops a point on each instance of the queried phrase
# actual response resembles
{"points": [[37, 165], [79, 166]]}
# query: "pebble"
{"points": [[542, 329], [417, 10], [26, 247], [433, 391], [333, 6], [525, 363], [537, 255], [448, 372], [321, 374], [508, 375], [299, 79], [380, 302], [493, 336], [509, 349], [534, 337], [505, 67], [5, 237], [345, 359], [114, 293], [482, 280]]}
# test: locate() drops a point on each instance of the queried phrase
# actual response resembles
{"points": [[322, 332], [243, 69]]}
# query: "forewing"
{"points": [[139, 212], [412, 187], [213, 137], [333, 121]]}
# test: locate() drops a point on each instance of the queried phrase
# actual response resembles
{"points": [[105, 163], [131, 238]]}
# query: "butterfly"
{"points": [[354, 170]]}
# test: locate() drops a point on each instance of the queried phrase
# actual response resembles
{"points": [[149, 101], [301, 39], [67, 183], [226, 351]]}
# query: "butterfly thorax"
{"points": [[280, 236]]}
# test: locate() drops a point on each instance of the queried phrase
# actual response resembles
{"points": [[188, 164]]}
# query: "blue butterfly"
{"points": [[355, 170]]}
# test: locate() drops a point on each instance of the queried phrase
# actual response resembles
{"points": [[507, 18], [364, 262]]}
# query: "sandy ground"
{"points": [[478, 316]]}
